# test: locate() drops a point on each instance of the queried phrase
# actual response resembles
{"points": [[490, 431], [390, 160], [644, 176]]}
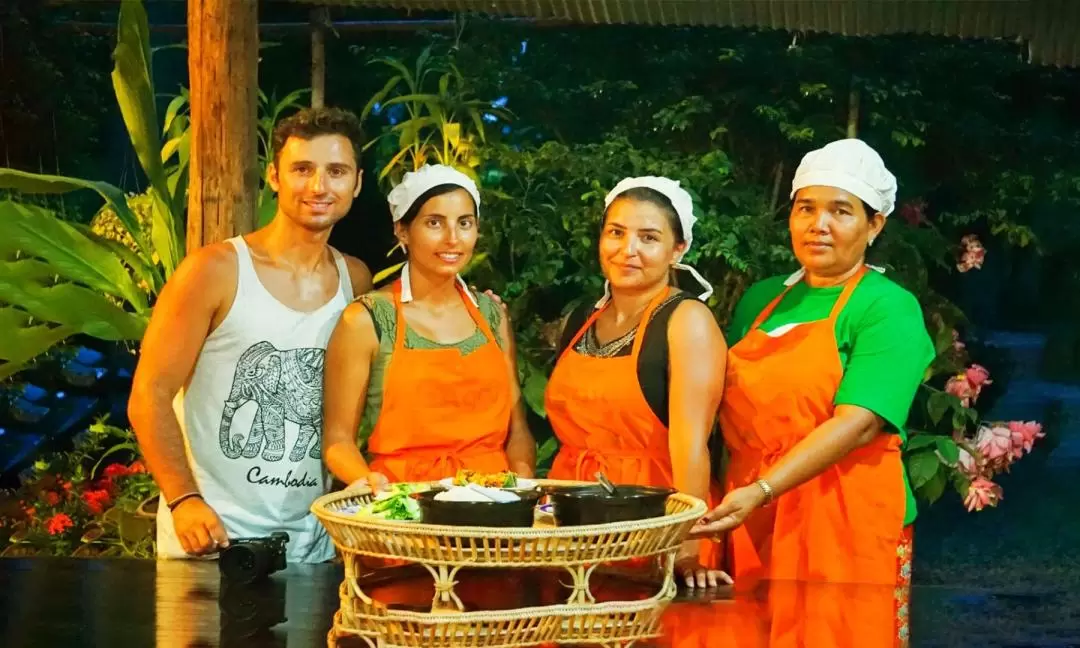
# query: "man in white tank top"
{"points": [[226, 401]]}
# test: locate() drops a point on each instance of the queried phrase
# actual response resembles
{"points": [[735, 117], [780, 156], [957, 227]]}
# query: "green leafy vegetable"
{"points": [[397, 504]]}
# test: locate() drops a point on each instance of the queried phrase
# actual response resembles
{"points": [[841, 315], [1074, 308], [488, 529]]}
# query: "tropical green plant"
{"points": [[58, 279], [443, 123]]}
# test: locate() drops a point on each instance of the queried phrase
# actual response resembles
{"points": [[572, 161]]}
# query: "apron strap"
{"points": [[639, 336], [474, 312], [841, 301]]}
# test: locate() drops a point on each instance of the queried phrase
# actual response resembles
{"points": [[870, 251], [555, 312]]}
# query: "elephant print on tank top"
{"points": [[285, 385]]}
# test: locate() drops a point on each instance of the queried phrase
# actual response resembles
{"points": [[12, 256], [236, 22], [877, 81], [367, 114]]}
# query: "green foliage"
{"points": [[729, 114], [443, 123], [87, 501], [60, 279]]}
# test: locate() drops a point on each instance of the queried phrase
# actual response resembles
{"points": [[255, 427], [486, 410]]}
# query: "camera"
{"points": [[247, 560]]}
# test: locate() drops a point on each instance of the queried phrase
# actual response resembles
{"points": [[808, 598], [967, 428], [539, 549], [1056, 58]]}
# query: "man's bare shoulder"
{"points": [[359, 274], [211, 268]]}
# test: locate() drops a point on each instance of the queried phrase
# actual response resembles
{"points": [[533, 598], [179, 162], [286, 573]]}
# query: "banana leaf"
{"points": [[134, 88], [143, 271], [37, 183], [40, 233], [26, 284], [22, 340]]}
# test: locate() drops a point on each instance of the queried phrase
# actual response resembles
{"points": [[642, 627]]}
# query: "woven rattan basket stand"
{"points": [[444, 550]]}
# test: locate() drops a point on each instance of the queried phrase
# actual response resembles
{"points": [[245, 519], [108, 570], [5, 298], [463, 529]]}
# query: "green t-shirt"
{"points": [[883, 343], [381, 307]]}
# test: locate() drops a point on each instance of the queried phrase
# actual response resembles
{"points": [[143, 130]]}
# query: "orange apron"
{"points": [[442, 410], [845, 526], [603, 421]]}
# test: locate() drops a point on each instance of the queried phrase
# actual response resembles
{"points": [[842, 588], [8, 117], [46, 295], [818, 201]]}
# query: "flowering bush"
{"points": [[81, 502], [961, 449]]}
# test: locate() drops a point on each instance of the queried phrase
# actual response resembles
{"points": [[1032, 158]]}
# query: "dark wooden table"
{"points": [[72, 603]]}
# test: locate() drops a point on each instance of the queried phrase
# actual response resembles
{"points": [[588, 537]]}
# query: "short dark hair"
{"points": [[646, 194], [309, 123], [418, 204]]}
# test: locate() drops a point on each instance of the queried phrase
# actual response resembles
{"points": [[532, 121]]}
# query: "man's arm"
{"points": [[359, 275], [192, 303]]}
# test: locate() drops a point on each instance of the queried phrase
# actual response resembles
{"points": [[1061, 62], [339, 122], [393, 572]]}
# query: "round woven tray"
{"points": [[537, 546], [444, 550]]}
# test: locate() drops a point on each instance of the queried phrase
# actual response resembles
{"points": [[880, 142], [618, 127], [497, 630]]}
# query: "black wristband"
{"points": [[183, 498]]}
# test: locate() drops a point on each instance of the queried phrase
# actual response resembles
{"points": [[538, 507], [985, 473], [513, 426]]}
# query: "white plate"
{"points": [[523, 483]]}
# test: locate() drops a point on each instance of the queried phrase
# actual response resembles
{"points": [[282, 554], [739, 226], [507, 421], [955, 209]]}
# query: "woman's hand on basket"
{"points": [[731, 513], [695, 575], [376, 481]]}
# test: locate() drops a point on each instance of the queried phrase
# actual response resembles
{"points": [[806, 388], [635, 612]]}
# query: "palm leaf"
{"points": [[38, 232]]}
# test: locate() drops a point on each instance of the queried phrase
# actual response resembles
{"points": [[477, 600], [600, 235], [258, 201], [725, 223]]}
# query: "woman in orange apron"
{"points": [[820, 377], [635, 389], [424, 365]]}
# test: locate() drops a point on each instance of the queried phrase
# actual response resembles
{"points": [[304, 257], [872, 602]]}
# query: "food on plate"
{"points": [[503, 479], [394, 504], [476, 493]]}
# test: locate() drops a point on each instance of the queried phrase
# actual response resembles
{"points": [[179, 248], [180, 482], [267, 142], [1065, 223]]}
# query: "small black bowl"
{"points": [[581, 505], [484, 514]]}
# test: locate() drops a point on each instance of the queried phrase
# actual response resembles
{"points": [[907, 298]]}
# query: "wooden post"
{"points": [[223, 59], [320, 17]]}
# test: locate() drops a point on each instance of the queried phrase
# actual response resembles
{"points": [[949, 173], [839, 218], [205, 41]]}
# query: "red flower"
{"points": [[115, 470], [97, 500], [58, 523], [137, 466], [51, 498]]}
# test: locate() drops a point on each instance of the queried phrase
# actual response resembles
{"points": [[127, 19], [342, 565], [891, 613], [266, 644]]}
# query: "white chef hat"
{"points": [[851, 165], [684, 209], [417, 183]]}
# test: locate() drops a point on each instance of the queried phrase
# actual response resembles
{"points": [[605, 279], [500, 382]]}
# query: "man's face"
{"points": [[315, 180]]}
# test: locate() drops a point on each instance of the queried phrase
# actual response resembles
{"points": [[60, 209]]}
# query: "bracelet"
{"points": [[180, 500], [768, 490]]}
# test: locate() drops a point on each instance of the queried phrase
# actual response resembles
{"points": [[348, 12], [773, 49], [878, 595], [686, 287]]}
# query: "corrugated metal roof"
{"points": [[1050, 27]]}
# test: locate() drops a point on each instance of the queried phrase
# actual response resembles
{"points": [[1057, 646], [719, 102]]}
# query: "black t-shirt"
{"points": [[652, 367]]}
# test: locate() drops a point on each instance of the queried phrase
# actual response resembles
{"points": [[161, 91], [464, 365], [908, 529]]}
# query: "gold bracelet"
{"points": [[767, 489]]}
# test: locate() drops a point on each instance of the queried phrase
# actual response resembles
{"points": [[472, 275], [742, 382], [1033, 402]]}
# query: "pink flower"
{"points": [[994, 444], [1024, 434], [968, 465], [58, 523], [982, 493], [956, 343], [978, 376], [972, 255], [961, 387], [914, 212]]}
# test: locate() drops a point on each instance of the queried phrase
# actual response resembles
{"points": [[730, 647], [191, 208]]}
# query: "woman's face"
{"points": [[830, 230], [442, 237], [637, 245]]}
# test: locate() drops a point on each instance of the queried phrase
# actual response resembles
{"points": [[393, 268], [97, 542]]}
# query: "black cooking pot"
{"points": [[485, 514], [579, 505]]}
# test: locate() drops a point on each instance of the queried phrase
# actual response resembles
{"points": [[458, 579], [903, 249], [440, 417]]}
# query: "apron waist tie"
{"points": [[450, 460], [601, 456]]}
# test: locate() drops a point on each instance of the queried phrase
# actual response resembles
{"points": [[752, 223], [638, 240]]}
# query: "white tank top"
{"points": [[252, 417]]}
